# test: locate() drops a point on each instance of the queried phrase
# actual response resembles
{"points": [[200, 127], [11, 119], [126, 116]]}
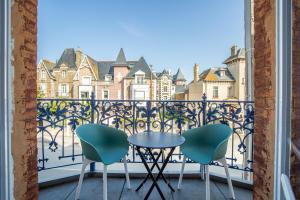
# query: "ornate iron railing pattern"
{"points": [[58, 118]]}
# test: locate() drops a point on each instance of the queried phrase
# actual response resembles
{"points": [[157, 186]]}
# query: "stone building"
{"points": [[221, 83], [77, 75]]}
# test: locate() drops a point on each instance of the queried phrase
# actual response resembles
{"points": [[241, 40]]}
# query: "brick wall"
{"points": [[24, 142], [264, 92], [295, 163]]}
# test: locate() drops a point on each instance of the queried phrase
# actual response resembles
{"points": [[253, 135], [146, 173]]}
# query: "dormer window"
{"points": [[222, 73], [108, 77], [139, 79], [63, 74]]}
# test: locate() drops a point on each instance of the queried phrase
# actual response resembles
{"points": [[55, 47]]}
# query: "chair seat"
{"points": [[200, 154], [110, 155]]}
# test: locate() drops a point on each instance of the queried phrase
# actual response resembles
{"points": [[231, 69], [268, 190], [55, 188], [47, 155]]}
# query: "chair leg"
{"points": [[84, 164], [224, 163], [181, 173], [105, 182], [126, 173], [207, 185]]}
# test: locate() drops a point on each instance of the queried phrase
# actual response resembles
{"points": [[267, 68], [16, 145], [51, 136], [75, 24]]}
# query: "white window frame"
{"points": [[103, 91], [43, 74], [142, 78], [86, 77], [64, 74], [215, 88], [165, 86], [108, 77], [6, 172]]}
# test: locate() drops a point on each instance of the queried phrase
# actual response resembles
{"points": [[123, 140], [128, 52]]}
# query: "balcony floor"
{"points": [[92, 189]]}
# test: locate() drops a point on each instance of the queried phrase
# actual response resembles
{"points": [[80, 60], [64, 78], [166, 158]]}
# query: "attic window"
{"points": [[43, 75], [222, 73], [108, 77]]}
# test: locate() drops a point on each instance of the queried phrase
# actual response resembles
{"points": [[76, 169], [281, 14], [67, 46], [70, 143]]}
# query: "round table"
{"points": [[155, 140]]}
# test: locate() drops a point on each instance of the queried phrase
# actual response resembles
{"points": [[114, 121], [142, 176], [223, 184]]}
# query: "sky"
{"points": [[168, 33]]}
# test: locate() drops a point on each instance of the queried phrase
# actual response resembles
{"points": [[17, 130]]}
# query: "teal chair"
{"points": [[102, 144], [204, 145]]}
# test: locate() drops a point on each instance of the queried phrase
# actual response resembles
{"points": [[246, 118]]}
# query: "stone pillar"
{"points": [[24, 69], [295, 163], [264, 97]]}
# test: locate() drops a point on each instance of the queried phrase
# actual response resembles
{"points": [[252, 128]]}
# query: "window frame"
{"points": [[215, 88]]}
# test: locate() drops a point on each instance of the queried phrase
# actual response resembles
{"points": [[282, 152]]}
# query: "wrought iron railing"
{"points": [[57, 119]]}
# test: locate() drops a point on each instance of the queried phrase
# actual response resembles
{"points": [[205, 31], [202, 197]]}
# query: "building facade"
{"points": [[221, 83], [77, 75]]}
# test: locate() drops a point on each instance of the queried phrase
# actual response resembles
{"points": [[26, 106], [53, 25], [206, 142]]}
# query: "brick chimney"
{"points": [[196, 73], [233, 50]]}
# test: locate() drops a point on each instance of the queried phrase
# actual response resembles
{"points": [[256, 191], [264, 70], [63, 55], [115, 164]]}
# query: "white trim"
{"points": [[103, 94], [283, 94], [6, 107], [80, 67], [287, 188]]}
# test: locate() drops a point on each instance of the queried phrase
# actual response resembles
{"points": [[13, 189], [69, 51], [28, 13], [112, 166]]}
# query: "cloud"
{"points": [[131, 29]]}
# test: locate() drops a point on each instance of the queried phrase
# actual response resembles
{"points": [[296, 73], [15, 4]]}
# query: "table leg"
{"points": [[151, 175], [160, 173], [152, 167]]}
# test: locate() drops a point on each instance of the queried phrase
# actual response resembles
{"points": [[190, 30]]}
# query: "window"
{"points": [[86, 80], [165, 88], [215, 92], [43, 88], [84, 95], [222, 73], [63, 74], [105, 94], [165, 98], [43, 75], [108, 77], [140, 79], [139, 95], [229, 91], [64, 90]]}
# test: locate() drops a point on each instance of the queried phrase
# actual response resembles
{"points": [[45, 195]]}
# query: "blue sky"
{"points": [[168, 33]]}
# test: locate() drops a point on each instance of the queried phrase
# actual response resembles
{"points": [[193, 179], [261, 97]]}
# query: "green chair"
{"points": [[102, 144], [204, 145]]}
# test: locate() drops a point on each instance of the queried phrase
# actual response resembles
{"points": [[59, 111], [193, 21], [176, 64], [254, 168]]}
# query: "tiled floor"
{"points": [[92, 189]]}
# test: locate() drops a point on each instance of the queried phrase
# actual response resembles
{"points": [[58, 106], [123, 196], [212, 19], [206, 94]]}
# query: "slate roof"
{"points": [[121, 59], [179, 76], [240, 54], [141, 65], [68, 58], [164, 72], [214, 74]]}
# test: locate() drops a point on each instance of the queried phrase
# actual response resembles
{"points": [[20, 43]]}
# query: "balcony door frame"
{"points": [[6, 175], [283, 94]]}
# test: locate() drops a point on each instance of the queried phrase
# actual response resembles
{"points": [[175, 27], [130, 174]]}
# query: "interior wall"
{"points": [[264, 97], [24, 57]]}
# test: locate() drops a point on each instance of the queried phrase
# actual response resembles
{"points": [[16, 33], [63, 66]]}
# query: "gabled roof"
{"points": [[67, 58], [164, 72], [121, 59], [49, 65], [142, 66], [240, 54], [214, 74], [179, 76]]}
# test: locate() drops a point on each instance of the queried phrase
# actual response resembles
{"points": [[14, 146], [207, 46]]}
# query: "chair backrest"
{"points": [[214, 135], [95, 135]]}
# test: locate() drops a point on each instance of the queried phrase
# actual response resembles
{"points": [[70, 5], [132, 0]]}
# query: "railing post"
{"points": [[204, 105], [92, 165], [148, 115]]}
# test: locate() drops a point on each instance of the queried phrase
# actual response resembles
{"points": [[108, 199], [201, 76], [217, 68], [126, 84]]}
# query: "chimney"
{"points": [[196, 73], [233, 50]]}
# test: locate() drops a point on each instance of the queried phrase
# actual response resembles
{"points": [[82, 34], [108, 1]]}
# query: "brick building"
{"points": [[77, 75]]}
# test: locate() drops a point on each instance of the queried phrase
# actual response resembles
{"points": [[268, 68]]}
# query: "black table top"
{"points": [[156, 140]]}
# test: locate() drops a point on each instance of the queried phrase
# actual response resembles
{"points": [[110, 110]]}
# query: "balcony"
{"points": [[59, 150]]}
